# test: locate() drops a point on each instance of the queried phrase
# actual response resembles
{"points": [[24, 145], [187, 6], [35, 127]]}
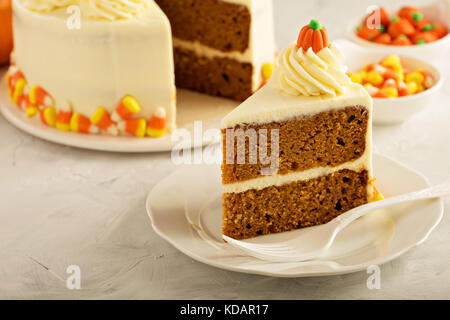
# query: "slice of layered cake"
{"points": [[298, 152]]}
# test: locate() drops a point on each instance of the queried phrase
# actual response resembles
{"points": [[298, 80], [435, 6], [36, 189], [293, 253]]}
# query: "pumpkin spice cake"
{"points": [[298, 152]]}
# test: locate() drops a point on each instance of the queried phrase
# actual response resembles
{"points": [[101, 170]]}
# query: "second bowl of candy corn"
{"points": [[401, 86], [414, 31]]}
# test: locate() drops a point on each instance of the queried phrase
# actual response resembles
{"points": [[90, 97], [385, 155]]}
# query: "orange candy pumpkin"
{"points": [[402, 40], [6, 41], [383, 38], [400, 26], [368, 33], [384, 17], [408, 13], [439, 29], [425, 36], [314, 36]]}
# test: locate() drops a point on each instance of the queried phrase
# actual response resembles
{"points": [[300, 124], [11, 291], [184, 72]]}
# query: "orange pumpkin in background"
{"points": [[313, 35], [408, 13], [400, 26], [6, 40]]}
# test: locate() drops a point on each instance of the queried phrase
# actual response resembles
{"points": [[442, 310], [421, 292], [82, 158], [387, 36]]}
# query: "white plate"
{"points": [[194, 193], [191, 106]]}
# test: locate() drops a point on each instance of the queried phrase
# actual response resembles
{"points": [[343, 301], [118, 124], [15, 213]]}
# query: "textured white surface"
{"points": [[61, 206]]}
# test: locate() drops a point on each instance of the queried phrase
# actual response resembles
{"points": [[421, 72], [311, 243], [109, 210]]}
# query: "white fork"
{"points": [[313, 242]]}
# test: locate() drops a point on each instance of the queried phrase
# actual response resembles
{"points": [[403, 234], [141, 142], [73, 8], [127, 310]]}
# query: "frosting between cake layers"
{"points": [[362, 163], [309, 74]]}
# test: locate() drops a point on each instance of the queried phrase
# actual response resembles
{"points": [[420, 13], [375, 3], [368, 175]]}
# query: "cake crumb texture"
{"points": [[328, 138], [217, 24], [223, 77], [292, 206]]}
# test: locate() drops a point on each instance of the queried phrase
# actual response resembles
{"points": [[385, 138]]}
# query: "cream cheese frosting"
{"points": [[309, 74], [94, 9]]}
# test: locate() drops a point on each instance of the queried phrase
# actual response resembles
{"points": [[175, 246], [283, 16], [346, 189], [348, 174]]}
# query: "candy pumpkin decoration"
{"points": [[408, 13], [6, 41], [383, 38], [384, 17], [424, 37], [402, 40], [400, 26], [314, 36], [439, 29], [368, 33]]}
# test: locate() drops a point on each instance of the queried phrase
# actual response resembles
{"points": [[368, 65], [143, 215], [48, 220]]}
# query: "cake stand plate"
{"points": [[185, 210], [199, 114]]}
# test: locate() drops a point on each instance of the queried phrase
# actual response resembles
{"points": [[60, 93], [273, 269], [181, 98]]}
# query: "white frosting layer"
{"points": [[95, 9], [364, 162], [99, 63], [311, 74], [268, 105], [208, 52]]}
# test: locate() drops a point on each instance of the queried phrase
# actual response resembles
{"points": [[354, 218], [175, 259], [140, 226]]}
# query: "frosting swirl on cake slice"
{"points": [[311, 74]]}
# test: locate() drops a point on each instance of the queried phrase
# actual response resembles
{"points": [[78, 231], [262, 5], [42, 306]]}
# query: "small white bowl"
{"points": [[439, 11], [388, 111]]}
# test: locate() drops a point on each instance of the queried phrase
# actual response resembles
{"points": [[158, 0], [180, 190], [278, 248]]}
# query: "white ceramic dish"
{"points": [[439, 11], [185, 209], [395, 110], [192, 106]]}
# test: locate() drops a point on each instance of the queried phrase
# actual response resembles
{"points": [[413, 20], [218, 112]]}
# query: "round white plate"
{"points": [[192, 106], [185, 209]]}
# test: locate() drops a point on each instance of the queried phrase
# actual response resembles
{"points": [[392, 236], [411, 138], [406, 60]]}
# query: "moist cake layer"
{"points": [[216, 76], [218, 24], [292, 206], [328, 138]]}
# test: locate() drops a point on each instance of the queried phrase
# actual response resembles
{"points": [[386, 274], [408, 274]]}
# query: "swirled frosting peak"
{"points": [[94, 9], [311, 74], [312, 66]]}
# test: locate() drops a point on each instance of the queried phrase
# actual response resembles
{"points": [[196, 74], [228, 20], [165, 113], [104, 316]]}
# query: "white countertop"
{"points": [[61, 206]]}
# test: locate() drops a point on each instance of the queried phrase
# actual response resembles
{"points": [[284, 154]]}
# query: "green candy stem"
{"points": [[394, 19], [315, 24], [417, 16], [421, 42], [429, 27]]}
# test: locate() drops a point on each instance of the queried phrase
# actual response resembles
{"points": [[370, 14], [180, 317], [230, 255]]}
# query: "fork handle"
{"points": [[437, 191]]}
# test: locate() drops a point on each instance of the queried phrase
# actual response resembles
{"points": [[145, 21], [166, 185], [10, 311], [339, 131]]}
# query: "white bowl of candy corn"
{"points": [[401, 86]]}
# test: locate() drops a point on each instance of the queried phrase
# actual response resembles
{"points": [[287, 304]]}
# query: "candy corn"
{"points": [[39, 97], [403, 89], [388, 79], [22, 101], [48, 116], [64, 115], [82, 124], [18, 89], [266, 70], [126, 109], [102, 120], [135, 127], [157, 123]]}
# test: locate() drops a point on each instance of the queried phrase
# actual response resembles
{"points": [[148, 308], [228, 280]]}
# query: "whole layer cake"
{"points": [[298, 152], [109, 65]]}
